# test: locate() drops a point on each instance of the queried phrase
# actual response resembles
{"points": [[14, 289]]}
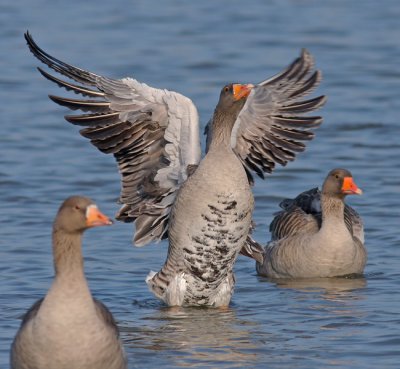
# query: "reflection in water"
{"points": [[341, 292], [196, 336], [331, 288], [329, 323]]}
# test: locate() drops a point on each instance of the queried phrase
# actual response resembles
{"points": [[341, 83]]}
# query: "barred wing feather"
{"points": [[152, 133], [271, 127]]}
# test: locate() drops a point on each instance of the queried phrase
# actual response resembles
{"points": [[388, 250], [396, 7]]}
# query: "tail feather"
{"points": [[253, 250]]}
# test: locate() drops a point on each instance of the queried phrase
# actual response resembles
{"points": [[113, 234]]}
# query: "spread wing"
{"points": [[271, 127], [152, 133]]}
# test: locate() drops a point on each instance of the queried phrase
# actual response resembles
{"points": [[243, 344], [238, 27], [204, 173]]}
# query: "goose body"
{"points": [[317, 234], [205, 243], [68, 328], [203, 206]]}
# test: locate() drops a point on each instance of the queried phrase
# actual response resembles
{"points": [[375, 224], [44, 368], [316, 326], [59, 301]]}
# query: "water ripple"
{"points": [[195, 48]]}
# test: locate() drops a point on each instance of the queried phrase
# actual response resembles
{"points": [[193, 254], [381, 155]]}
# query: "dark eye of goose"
{"points": [[77, 207], [226, 89]]}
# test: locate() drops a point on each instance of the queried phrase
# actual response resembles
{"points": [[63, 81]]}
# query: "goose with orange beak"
{"points": [[203, 205], [68, 328], [317, 234]]}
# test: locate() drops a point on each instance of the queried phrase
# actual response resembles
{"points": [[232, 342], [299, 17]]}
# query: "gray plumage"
{"points": [[203, 206], [316, 234], [68, 328]]}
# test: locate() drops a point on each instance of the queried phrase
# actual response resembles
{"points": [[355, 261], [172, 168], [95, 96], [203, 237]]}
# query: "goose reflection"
{"points": [[335, 289], [197, 336]]}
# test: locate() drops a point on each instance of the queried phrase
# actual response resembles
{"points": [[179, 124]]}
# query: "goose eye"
{"points": [[226, 88], [77, 207], [336, 176]]}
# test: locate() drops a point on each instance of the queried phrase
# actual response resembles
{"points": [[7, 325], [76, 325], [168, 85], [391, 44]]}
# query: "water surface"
{"points": [[195, 48]]}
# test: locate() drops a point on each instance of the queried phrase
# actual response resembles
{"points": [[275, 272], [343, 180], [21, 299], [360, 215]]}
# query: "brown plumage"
{"points": [[68, 328], [316, 234], [154, 136]]}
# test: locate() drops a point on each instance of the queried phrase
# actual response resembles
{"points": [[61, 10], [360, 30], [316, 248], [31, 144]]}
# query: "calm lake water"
{"points": [[195, 48]]}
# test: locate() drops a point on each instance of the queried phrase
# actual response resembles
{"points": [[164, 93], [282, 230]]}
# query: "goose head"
{"points": [[339, 183], [233, 97], [78, 213]]}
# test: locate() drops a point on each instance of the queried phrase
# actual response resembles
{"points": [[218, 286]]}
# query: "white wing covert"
{"points": [[152, 133]]}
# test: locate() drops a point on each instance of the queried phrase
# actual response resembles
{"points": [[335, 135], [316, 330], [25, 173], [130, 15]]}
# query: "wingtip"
{"points": [[318, 76], [34, 47], [322, 101], [46, 75], [304, 51], [43, 72], [29, 39], [58, 100], [52, 97], [306, 54]]}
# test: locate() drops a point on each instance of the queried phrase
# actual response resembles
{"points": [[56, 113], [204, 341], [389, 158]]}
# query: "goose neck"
{"points": [[67, 253], [221, 129], [331, 207]]}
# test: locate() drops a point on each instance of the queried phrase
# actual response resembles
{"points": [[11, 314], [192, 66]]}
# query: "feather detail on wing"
{"points": [[291, 222], [253, 250], [271, 127], [303, 215], [152, 133]]}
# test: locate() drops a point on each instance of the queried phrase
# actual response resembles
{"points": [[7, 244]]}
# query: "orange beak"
{"points": [[241, 91], [95, 218], [349, 187]]}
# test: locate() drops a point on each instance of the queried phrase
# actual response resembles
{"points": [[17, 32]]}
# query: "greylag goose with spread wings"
{"points": [[203, 206]]}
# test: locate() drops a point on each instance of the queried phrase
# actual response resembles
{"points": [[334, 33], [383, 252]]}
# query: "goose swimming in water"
{"points": [[204, 207], [68, 328], [317, 234]]}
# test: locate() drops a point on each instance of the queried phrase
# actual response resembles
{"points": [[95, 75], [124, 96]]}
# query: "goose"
{"points": [[68, 328], [317, 234], [203, 206]]}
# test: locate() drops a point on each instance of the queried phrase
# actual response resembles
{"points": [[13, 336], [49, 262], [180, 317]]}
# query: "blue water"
{"points": [[195, 48]]}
